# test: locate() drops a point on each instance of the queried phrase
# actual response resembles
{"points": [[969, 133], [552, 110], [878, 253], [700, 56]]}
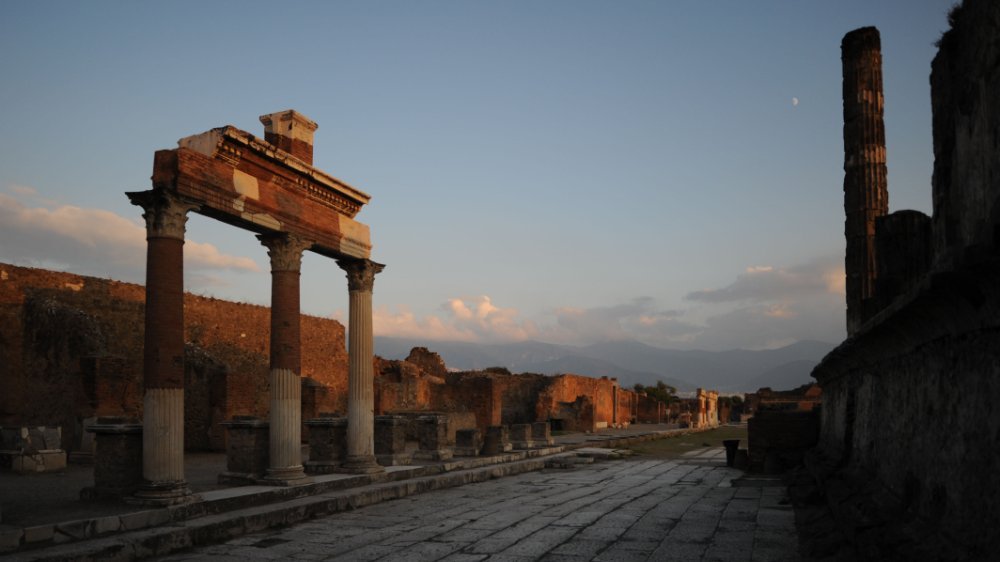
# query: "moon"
{"points": [[795, 102]]}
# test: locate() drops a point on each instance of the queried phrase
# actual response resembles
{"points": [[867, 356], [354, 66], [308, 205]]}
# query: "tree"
{"points": [[662, 391]]}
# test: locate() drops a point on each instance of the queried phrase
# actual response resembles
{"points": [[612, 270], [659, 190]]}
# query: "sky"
{"points": [[569, 171]]}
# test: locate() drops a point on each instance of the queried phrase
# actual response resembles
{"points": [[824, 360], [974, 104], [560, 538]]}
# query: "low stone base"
{"points": [[466, 452], [81, 457], [523, 445], [29, 463], [435, 455], [290, 476], [399, 459], [161, 494], [361, 465]]}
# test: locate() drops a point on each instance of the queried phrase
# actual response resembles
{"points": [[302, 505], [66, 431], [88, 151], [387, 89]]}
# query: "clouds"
{"points": [[462, 319], [90, 241], [766, 284]]}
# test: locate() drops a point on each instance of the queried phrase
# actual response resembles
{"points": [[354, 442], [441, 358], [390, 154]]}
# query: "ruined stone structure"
{"points": [[909, 414], [805, 398], [865, 184]]}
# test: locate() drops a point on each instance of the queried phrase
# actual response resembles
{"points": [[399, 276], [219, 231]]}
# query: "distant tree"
{"points": [[662, 391]]}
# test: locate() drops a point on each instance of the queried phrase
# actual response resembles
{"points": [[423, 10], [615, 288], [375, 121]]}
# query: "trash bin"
{"points": [[731, 445]]}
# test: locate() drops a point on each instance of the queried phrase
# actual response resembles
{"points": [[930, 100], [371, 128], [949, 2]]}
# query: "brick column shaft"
{"points": [[361, 377], [866, 194], [285, 465], [163, 350]]}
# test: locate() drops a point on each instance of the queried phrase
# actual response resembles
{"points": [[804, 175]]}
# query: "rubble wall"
{"points": [[50, 320]]}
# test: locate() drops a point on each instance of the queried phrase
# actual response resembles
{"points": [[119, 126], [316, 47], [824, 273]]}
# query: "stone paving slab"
{"points": [[615, 510]]}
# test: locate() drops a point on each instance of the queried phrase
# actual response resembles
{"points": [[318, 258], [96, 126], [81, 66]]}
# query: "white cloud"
{"points": [[89, 241], [463, 319], [766, 283]]}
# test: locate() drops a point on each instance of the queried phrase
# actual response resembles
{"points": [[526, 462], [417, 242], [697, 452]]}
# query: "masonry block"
{"points": [[117, 458], [247, 450], [541, 433], [497, 440], [390, 441], [432, 431], [327, 444], [520, 436], [467, 443]]}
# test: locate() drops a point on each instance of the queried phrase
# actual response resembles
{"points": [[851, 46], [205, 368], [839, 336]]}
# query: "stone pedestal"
{"points": [[247, 442], [85, 452], [432, 431], [520, 436], [117, 458], [31, 449], [541, 434], [497, 440], [327, 444], [467, 443], [390, 441]]}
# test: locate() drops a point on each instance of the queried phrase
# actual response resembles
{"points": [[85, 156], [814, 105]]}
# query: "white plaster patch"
{"points": [[355, 236], [3, 275], [246, 185], [206, 143], [239, 204], [74, 286]]}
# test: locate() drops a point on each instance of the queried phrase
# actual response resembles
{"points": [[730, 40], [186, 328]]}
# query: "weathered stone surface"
{"points": [[433, 434], [468, 443], [118, 458], [497, 440], [541, 433], [520, 436], [247, 450], [390, 440]]}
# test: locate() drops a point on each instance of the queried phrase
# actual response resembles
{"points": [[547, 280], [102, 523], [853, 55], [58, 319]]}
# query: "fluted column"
{"points": [[866, 194], [285, 464], [361, 392], [163, 350]]}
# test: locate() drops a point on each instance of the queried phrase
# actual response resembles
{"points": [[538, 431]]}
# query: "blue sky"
{"points": [[568, 171]]}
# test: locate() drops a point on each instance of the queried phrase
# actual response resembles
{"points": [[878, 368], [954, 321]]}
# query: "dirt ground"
{"points": [[674, 447]]}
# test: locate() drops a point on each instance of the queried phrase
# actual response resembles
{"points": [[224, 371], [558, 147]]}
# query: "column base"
{"points": [[287, 476], [161, 494], [321, 467], [364, 464]]}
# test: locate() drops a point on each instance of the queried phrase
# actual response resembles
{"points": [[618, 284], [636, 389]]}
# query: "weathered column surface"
{"points": [[361, 378], [285, 435], [866, 194], [163, 350]]}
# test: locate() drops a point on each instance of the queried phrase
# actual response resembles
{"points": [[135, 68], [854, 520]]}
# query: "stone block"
{"points": [[467, 443], [520, 436], [118, 458], [327, 444], [541, 433], [37, 461], [390, 441], [497, 440], [247, 450], [10, 539], [432, 431]]}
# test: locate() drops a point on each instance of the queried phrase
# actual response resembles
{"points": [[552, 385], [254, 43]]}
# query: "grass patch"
{"points": [[674, 447]]}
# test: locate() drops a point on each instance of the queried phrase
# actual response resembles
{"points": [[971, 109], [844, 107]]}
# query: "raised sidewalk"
{"points": [[44, 520]]}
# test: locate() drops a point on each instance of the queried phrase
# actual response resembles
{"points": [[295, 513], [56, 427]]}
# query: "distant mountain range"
{"points": [[631, 362]]}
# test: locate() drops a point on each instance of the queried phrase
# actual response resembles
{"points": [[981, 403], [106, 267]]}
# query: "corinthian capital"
{"points": [[285, 250], [165, 213], [360, 273]]}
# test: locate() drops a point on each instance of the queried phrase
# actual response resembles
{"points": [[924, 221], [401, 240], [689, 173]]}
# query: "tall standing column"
{"points": [[361, 380], [285, 465], [163, 350], [866, 194]]}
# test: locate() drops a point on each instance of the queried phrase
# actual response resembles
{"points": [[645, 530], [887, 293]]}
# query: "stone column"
{"points": [[866, 194], [163, 350], [285, 435], [361, 379]]}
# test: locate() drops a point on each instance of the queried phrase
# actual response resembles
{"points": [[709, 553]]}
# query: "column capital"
{"points": [[360, 273], [285, 250], [165, 213]]}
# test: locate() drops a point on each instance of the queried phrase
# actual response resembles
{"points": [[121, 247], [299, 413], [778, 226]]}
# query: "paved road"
{"points": [[618, 510]]}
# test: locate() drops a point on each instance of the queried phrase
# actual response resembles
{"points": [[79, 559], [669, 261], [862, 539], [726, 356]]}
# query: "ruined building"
{"points": [[909, 417]]}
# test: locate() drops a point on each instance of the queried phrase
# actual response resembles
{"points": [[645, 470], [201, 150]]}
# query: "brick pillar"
{"points": [[285, 466], [866, 194], [163, 351], [361, 373]]}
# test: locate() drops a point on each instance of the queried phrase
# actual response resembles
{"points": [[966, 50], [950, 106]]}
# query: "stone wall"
{"points": [[910, 401], [71, 349]]}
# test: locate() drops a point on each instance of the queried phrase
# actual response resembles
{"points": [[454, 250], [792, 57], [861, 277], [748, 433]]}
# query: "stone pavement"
{"points": [[692, 509]]}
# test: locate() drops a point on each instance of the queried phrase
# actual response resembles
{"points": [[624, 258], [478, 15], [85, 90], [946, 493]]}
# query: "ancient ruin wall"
{"points": [[964, 93], [50, 321], [911, 400]]}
